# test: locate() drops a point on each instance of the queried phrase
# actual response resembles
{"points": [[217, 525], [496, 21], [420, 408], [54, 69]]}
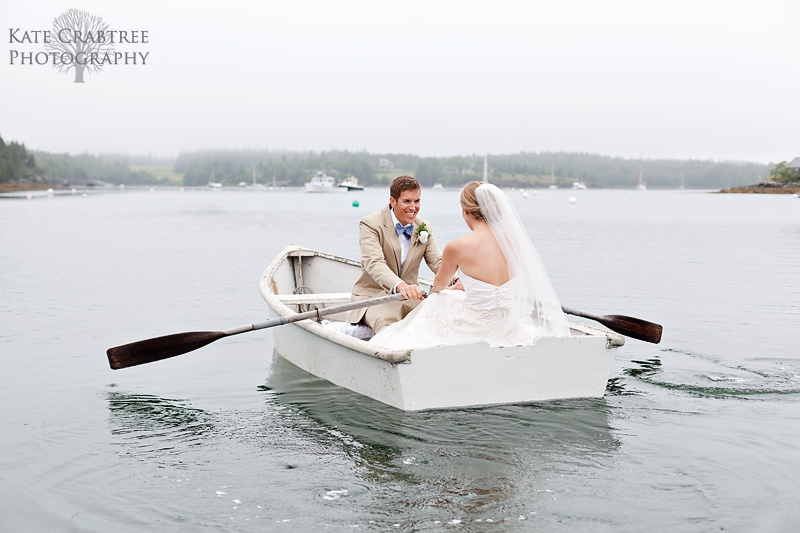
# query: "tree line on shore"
{"points": [[524, 169], [20, 165], [16, 162], [294, 168]]}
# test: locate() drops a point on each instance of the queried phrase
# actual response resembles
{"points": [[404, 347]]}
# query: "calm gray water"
{"points": [[698, 433]]}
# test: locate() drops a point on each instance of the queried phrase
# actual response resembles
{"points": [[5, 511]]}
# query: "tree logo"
{"points": [[76, 39]]}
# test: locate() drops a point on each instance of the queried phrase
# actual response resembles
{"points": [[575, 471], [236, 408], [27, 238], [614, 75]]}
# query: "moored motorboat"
{"points": [[322, 183], [463, 375], [351, 184]]}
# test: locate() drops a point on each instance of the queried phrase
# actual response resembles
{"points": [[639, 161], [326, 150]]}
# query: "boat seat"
{"points": [[322, 298]]}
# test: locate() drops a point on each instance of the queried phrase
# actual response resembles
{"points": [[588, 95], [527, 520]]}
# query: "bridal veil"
{"points": [[535, 301]]}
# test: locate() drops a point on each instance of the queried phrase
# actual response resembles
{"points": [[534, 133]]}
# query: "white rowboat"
{"points": [[441, 377]]}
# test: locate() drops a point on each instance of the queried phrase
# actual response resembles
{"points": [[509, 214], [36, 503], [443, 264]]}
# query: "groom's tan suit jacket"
{"points": [[381, 267]]}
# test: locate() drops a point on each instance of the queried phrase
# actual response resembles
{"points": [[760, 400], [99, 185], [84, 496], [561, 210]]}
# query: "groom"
{"points": [[391, 252]]}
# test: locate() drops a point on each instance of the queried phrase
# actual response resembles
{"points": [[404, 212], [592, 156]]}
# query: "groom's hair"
{"points": [[402, 183]]}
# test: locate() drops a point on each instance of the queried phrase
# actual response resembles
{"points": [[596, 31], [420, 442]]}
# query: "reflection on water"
{"points": [[467, 462], [645, 368]]}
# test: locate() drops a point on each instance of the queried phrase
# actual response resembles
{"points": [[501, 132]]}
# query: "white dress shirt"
{"points": [[405, 241]]}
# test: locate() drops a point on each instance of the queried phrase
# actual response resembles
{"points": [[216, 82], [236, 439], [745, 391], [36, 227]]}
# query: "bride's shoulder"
{"points": [[463, 244]]}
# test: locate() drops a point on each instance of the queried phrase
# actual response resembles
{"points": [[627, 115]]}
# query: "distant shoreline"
{"points": [[17, 187], [761, 189], [747, 189]]}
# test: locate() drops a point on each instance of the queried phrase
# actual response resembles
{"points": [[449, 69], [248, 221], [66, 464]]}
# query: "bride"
{"points": [[507, 298]]}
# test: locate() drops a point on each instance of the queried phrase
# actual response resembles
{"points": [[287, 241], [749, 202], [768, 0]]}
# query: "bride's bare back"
{"points": [[477, 254]]}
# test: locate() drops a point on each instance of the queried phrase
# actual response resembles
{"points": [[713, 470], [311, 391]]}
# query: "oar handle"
{"points": [[575, 312], [316, 313]]}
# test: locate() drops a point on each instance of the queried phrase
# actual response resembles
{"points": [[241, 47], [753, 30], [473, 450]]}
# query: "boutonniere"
{"points": [[423, 233]]}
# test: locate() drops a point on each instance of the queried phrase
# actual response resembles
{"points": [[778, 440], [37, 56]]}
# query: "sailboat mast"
{"points": [[640, 170]]}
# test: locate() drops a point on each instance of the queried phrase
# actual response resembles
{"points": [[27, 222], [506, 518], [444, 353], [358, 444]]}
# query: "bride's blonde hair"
{"points": [[469, 201]]}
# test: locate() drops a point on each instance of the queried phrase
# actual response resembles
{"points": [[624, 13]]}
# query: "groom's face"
{"points": [[407, 206]]}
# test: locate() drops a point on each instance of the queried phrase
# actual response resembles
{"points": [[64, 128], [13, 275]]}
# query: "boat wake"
{"points": [[711, 376]]}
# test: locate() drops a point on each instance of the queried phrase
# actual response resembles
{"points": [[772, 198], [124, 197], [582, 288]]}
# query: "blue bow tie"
{"points": [[400, 229]]}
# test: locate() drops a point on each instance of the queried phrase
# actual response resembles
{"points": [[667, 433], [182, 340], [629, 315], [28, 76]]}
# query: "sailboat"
{"points": [[256, 185], [640, 186], [213, 185]]}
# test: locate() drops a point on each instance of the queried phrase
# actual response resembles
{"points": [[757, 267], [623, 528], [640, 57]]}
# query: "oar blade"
{"points": [[635, 328], [147, 351]]}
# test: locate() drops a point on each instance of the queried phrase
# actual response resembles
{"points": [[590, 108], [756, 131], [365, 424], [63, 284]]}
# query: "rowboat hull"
{"points": [[442, 377]]}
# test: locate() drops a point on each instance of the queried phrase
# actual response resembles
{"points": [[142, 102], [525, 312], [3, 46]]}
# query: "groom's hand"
{"points": [[409, 292]]}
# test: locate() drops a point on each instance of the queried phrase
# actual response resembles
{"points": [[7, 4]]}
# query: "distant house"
{"points": [[385, 163], [794, 165]]}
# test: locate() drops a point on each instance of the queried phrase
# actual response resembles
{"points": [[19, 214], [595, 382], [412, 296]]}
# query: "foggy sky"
{"points": [[679, 79]]}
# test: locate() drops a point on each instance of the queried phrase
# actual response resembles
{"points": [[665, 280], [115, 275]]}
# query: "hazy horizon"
{"points": [[279, 150], [685, 80]]}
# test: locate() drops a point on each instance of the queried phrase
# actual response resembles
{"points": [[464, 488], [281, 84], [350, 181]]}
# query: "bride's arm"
{"points": [[448, 268]]}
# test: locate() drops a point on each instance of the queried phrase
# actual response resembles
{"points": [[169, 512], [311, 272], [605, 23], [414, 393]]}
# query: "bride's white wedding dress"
{"points": [[481, 312]]}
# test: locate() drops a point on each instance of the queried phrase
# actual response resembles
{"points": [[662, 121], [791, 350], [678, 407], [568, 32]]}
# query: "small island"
{"points": [[784, 178]]}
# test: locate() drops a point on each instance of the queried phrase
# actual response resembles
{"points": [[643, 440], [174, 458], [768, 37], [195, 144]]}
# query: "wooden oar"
{"points": [[626, 325], [149, 350]]}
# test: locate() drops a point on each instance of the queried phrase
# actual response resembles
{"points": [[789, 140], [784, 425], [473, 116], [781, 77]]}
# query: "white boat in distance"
{"points": [[351, 184], [578, 185], [213, 185], [442, 377], [323, 183]]}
